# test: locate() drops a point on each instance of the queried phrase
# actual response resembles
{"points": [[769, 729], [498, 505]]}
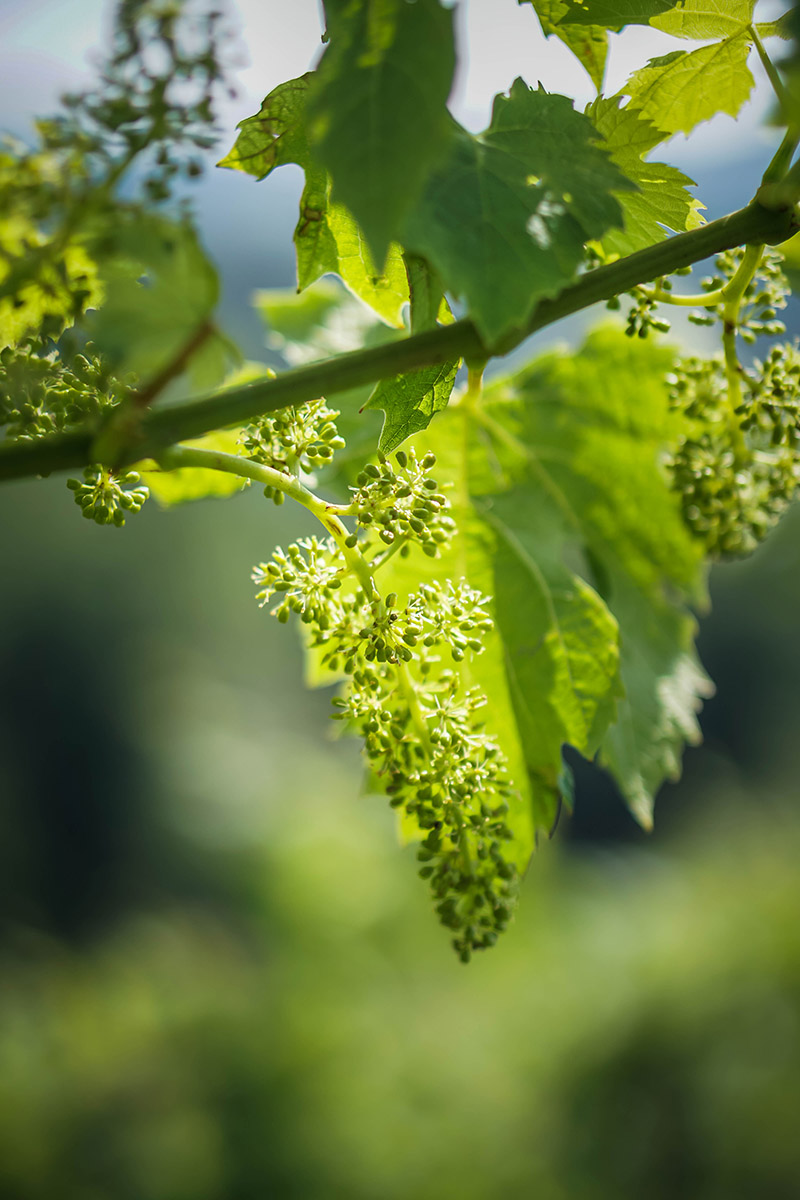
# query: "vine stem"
{"points": [[758, 222], [330, 515], [770, 68], [734, 292], [176, 457]]}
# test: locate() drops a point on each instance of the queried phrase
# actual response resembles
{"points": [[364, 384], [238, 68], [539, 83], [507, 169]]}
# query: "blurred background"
{"points": [[219, 976]]}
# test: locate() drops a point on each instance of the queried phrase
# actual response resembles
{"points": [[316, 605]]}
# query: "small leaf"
{"points": [[701, 19], [410, 401], [680, 90], [614, 14], [327, 238]]}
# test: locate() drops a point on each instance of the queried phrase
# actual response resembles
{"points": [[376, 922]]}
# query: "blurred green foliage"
{"points": [[637, 1036]]}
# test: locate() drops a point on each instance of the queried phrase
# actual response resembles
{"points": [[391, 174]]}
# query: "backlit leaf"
{"points": [[327, 238], [377, 111], [592, 451], [701, 19], [680, 90], [589, 43], [662, 201]]}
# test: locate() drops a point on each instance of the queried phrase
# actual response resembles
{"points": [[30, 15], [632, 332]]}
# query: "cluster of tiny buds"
{"points": [[732, 493], [773, 404], [766, 293], [293, 440], [403, 504], [643, 315], [102, 495], [422, 731], [308, 577], [730, 506], [40, 394]]}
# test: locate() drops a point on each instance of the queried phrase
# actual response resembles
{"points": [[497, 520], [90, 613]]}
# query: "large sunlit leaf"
{"points": [[592, 452], [377, 112], [505, 215]]}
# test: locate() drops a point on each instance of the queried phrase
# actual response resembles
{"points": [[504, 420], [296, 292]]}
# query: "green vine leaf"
{"points": [[47, 304], [504, 217], [661, 201], [560, 642], [705, 19], [701, 19], [159, 289], [410, 401], [589, 43], [680, 90], [327, 239], [566, 519], [593, 451], [377, 115]]}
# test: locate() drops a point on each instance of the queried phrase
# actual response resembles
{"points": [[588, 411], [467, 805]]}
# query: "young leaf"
{"points": [[705, 19], [504, 217], [377, 110], [411, 400], [701, 19], [589, 43], [327, 239], [680, 90], [662, 201], [614, 14]]}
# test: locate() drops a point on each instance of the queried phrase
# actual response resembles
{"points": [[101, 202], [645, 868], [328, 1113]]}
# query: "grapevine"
{"points": [[512, 568]]}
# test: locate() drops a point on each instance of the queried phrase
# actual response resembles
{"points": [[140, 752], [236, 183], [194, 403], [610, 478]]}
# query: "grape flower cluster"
{"points": [[422, 725], [42, 394], [293, 440], [736, 466], [104, 496]]}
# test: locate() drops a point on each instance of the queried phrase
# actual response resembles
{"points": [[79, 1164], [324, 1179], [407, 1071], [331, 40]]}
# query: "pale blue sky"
{"points": [[46, 45]]}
